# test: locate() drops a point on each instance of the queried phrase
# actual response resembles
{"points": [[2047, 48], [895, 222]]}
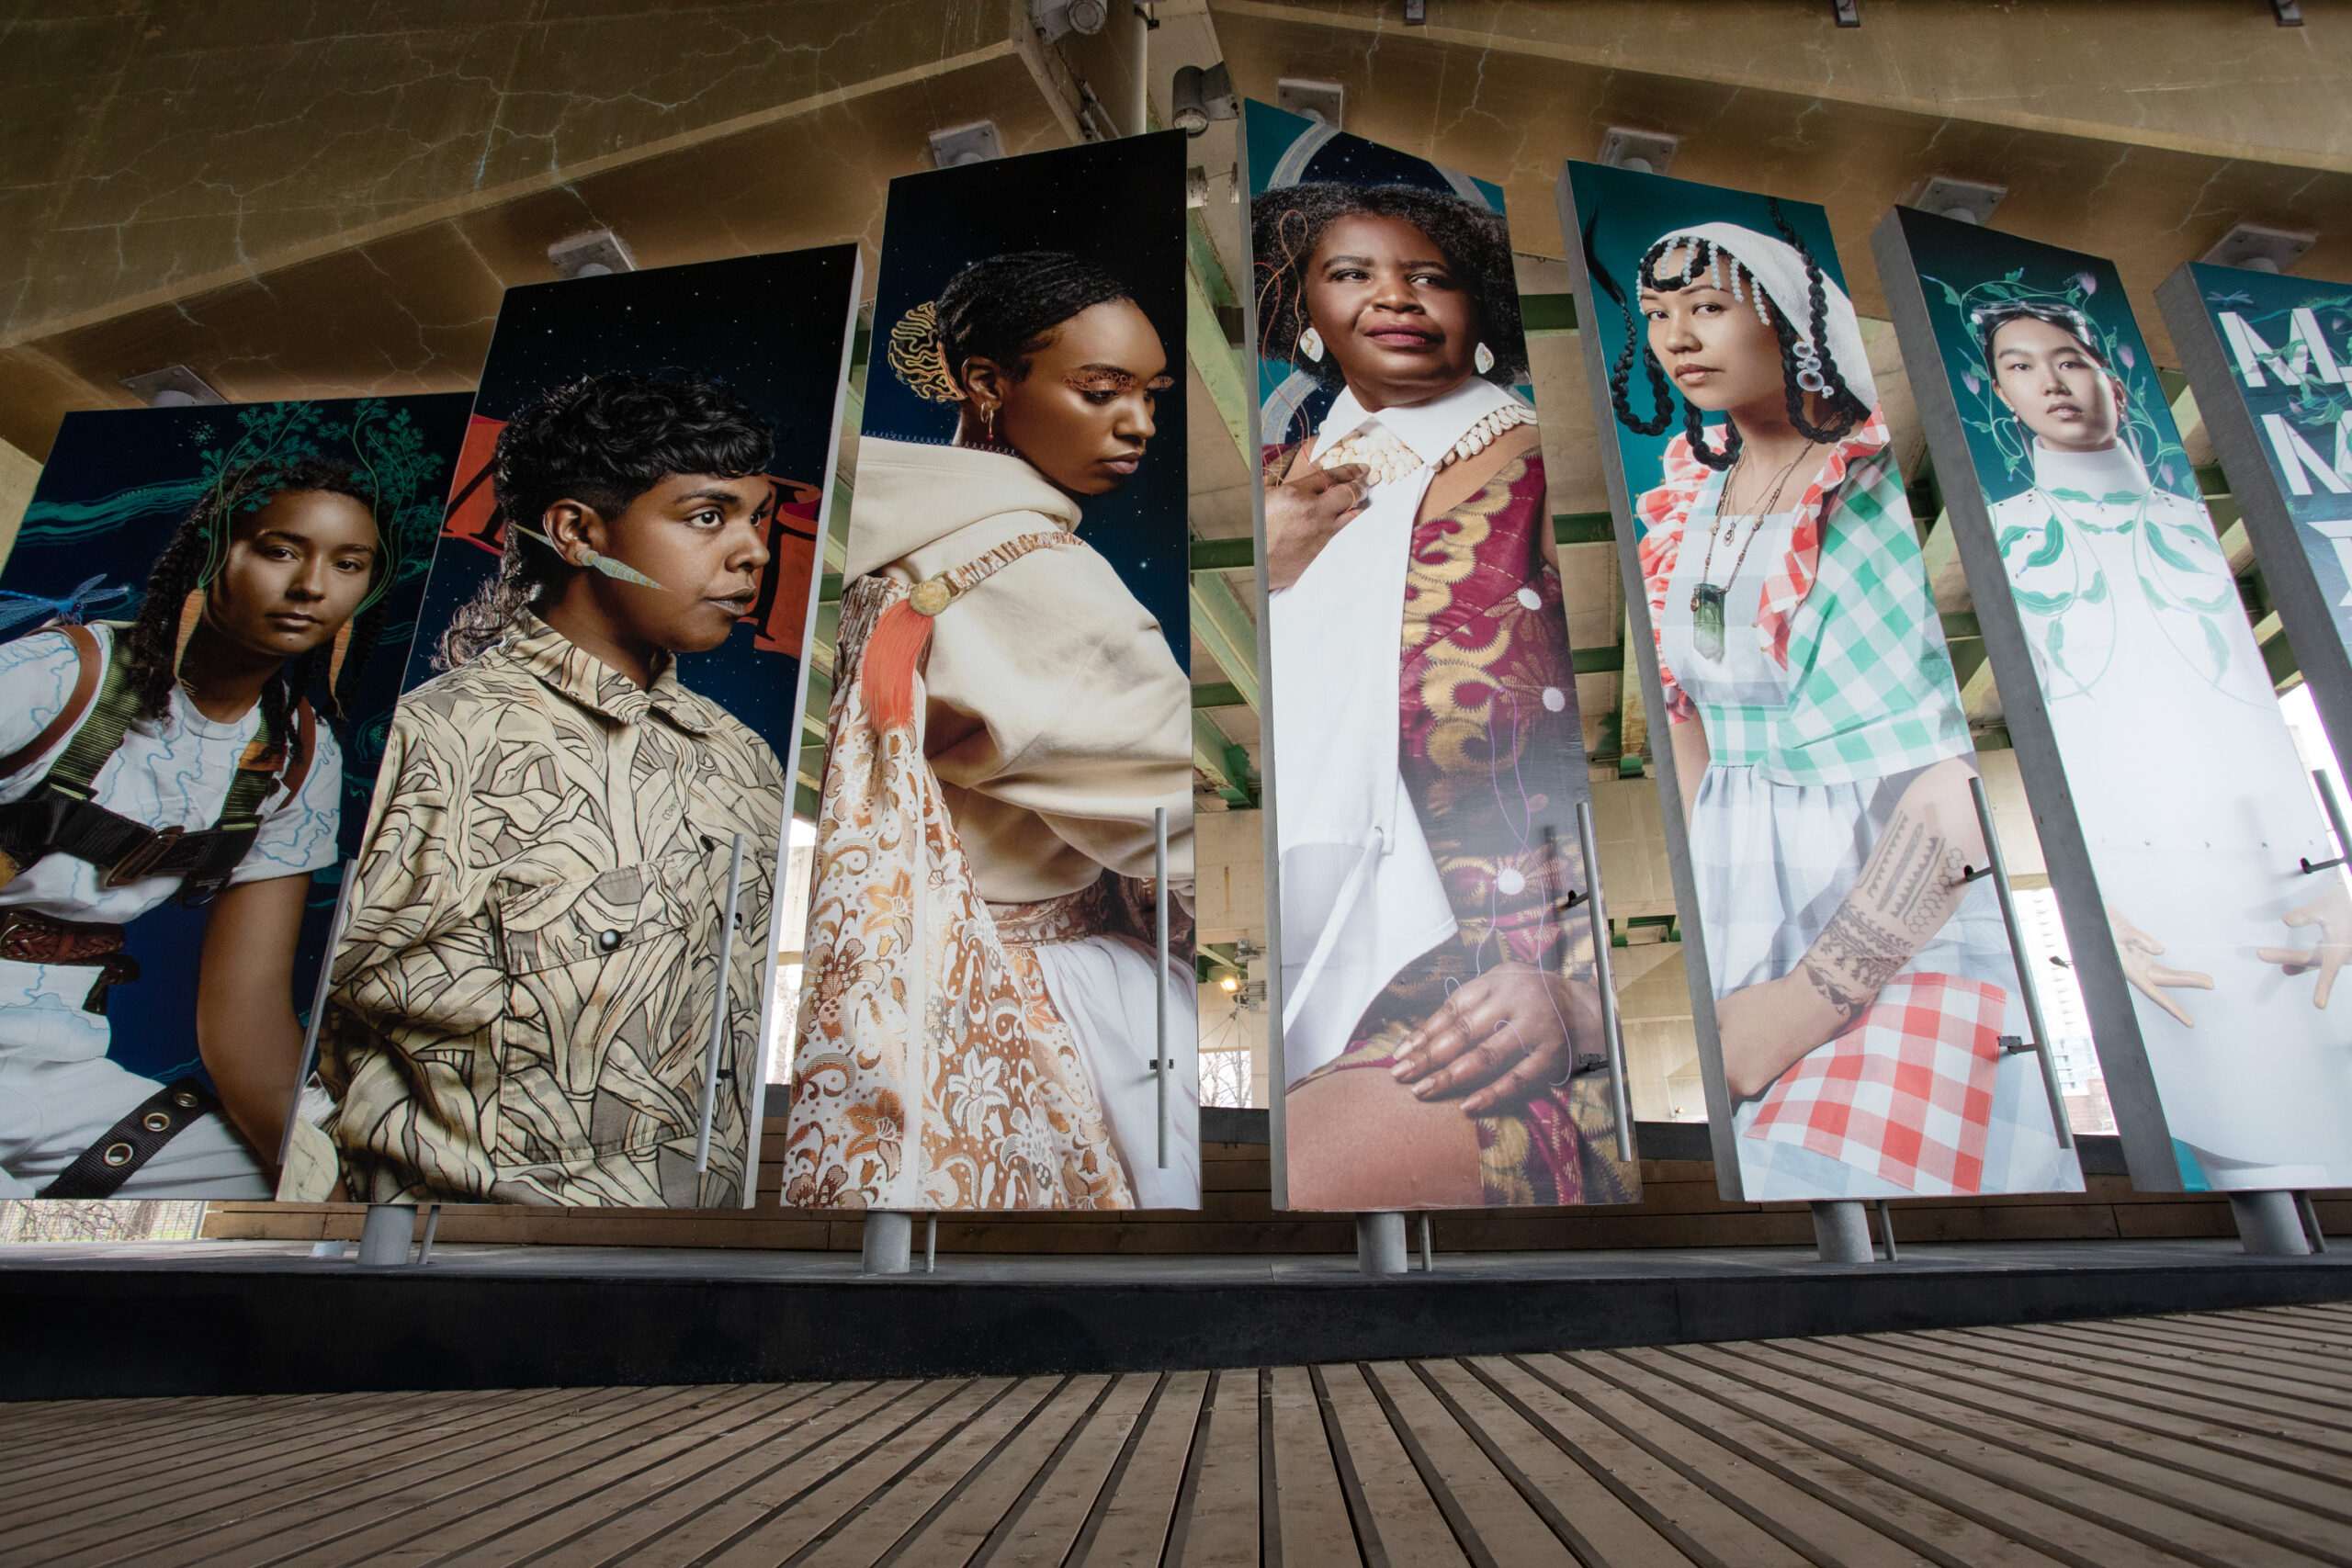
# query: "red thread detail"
{"points": [[892, 651]]}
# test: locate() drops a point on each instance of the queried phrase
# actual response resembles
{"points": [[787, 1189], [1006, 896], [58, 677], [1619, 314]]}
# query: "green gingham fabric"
{"points": [[1873, 692]]}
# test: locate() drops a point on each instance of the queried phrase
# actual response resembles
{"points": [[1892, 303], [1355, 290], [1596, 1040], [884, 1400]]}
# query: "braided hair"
{"points": [[601, 440], [191, 563], [1704, 260], [1288, 223], [1005, 308]]}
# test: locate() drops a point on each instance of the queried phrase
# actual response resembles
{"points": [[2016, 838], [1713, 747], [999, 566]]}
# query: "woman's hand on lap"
{"points": [[1503, 1036]]}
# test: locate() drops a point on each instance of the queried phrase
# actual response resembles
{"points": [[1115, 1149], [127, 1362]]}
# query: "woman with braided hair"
{"points": [[1818, 740], [979, 1005], [1441, 1028], [178, 756]]}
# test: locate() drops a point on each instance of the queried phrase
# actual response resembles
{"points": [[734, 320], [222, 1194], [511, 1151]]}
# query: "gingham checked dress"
{"points": [[1833, 691]]}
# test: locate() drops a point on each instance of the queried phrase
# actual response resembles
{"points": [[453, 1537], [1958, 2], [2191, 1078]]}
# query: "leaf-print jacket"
{"points": [[521, 1004]]}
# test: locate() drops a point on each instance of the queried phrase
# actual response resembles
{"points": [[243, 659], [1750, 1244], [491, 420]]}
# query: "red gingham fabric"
{"points": [[1906, 1093], [1664, 510]]}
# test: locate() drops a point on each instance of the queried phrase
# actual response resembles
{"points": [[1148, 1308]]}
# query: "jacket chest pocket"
{"points": [[599, 1042]]}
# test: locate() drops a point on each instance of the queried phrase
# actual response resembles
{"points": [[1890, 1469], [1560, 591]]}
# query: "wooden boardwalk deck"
{"points": [[2218, 1439]]}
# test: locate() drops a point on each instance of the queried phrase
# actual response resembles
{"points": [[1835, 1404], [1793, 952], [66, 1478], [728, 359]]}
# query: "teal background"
{"points": [[1623, 213], [2264, 301], [1961, 266]]}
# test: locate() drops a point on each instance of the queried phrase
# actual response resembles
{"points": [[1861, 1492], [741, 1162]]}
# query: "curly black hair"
{"points": [[1702, 261], [1286, 224], [601, 440], [187, 562], [1005, 308]]}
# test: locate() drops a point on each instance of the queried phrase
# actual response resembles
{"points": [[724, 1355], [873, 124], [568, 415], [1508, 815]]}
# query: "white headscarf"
{"points": [[1781, 268]]}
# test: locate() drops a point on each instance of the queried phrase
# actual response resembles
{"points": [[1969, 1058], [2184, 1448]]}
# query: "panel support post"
{"points": [[890, 1243], [383, 1240], [1841, 1232], [2269, 1224], [1380, 1243]]}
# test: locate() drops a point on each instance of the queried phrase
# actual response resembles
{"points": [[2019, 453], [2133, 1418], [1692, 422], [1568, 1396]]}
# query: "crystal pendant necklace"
{"points": [[1707, 598]]}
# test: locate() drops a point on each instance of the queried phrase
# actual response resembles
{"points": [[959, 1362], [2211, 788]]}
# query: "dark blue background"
{"points": [[771, 328], [1117, 204]]}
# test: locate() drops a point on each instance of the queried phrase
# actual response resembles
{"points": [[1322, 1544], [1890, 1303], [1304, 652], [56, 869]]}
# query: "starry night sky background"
{"points": [[1118, 204], [770, 329]]}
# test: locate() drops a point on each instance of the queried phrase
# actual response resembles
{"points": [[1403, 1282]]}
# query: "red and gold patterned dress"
{"points": [[1492, 755]]}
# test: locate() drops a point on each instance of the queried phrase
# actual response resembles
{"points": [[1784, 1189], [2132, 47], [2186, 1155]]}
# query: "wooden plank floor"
{"points": [[2217, 1439]]}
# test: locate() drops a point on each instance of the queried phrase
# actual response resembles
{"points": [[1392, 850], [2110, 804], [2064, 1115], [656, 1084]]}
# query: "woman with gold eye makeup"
{"points": [[1048, 708]]}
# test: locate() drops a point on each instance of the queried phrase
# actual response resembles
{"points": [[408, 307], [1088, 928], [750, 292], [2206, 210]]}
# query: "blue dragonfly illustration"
{"points": [[16, 609]]}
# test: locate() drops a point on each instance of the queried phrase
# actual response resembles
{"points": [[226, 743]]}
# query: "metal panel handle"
{"points": [[1619, 1098], [318, 1007], [1159, 913], [718, 1019], [2040, 1046]]}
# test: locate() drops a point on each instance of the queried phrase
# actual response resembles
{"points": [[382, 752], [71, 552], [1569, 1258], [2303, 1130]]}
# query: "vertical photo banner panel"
{"points": [[1862, 1025], [998, 1006], [552, 975], [202, 627], [1443, 1042], [2270, 361], [2175, 812]]}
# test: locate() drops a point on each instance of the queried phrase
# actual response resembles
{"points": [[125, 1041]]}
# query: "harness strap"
{"points": [[85, 686], [102, 1168], [75, 773]]}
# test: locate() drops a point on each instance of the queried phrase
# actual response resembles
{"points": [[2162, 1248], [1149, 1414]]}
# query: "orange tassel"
{"points": [[892, 651], [334, 666], [191, 616]]}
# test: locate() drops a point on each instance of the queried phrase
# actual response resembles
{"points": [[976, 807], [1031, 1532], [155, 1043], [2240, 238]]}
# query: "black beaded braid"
{"points": [[153, 638], [1845, 410], [1288, 223], [601, 440], [1006, 308]]}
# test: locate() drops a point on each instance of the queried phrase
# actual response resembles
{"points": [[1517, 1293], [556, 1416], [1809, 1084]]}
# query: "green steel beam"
{"points": [[1226, 764], [1218, 694], [1226, 631], [1543, 315], [1217, 360], [1598, 660], [1584, 528]]}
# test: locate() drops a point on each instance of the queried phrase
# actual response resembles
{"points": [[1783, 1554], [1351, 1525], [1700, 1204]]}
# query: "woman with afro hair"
{"points": [[1819, 744], [178, 757], [1439, 1025], [979, 1005]]}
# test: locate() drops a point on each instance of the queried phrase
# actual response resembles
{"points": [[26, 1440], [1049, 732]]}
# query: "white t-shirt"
{"points": [[177, 771]]}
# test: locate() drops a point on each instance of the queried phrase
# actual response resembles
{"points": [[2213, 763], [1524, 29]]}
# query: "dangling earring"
{"points": [[989, 414], [1483, 359], [1310, 343]]}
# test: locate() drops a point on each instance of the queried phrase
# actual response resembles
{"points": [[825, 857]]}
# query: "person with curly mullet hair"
{"points": [[1822, 753], [1441, 1027], [525, 993], [178, 757]]}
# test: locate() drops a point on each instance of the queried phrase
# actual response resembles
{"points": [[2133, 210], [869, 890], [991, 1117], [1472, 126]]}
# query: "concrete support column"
{"points": [[890, 1243], [1380, 1243], [383, 1240], [1841, 1232], [2268, 1224]]}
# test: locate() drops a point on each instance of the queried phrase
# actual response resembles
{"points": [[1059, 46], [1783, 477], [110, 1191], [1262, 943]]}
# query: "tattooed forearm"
{"points": [[1906, 891]]}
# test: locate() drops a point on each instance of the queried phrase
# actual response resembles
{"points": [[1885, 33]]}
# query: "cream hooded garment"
{"points": [[1056, 717]]}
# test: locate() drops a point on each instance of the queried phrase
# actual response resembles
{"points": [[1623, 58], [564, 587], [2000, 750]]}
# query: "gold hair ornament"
{"points": [[920, 359]]}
